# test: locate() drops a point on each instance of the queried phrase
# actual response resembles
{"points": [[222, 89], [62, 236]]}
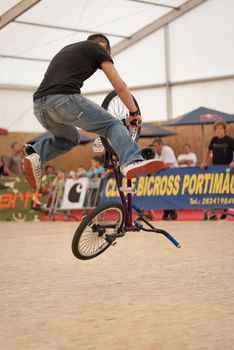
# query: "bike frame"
{"points": [[128, 205]]}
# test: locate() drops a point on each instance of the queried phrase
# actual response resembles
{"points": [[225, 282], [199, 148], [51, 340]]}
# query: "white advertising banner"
{"points": [[74, 193]]}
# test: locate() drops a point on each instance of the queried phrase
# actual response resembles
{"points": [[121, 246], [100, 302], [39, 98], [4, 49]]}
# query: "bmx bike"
{"points": [[110, 221]]}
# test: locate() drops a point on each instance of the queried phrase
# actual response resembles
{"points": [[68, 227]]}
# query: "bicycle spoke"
{"points": [[113, 104], [91, 240]]}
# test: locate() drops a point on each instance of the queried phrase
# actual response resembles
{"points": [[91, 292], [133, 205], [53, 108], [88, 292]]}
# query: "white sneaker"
{"points": [[141, 167], [32, 170]]}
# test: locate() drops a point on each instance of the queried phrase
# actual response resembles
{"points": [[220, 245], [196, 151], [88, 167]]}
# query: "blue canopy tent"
{"points": [[149, 130], [201, 116]]}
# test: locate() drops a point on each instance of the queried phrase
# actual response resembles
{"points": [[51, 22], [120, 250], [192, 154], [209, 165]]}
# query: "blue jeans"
{"points": [[62, 114]]}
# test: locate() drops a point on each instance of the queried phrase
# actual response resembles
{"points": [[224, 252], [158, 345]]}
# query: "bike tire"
{"points": [[113, 104], [86, 243]]}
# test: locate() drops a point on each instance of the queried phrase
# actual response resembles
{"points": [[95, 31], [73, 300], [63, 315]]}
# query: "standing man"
{"points": [[166, 154], [60, 108], [220, 151], [13, 162], [221, 147]]}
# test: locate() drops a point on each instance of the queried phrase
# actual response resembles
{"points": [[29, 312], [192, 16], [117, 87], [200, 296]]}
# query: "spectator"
{"points": [[58, 185], [94, 174], [96, 169], [50, 171], [188, 158], [47, 179], [166, 154], [13, 164], [107, 173], [221, 148], [81, 172]]}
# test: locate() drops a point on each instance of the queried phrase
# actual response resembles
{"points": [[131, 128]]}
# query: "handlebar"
{"points": [[135, 122]]}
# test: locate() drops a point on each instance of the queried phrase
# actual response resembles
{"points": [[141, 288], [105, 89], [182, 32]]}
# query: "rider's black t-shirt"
{"points": [[70, 67], [222, 150]]}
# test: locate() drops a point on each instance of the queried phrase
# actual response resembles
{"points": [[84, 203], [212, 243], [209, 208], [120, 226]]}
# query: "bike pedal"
{"points": [[128, 190], [110, 240]]}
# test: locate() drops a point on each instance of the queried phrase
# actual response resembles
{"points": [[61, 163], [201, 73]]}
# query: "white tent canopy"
{"points": [[174, 55]]}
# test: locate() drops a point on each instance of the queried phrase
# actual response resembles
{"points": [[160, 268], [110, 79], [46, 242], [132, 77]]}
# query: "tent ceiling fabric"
{"points": [[43, 29]]}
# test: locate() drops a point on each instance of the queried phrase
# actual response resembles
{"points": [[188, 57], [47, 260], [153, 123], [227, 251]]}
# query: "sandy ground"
{"points": [[142, 294]]}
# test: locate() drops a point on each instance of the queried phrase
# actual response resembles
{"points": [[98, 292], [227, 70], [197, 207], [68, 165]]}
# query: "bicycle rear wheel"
{"points": [[113, 104], [93, 235]]}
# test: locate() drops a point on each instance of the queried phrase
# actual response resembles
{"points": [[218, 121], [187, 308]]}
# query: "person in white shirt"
{"points": [[188, 158], [167, 155]]}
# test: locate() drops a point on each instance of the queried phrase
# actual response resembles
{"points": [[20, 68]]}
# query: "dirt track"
{"points": [[142, 294]]}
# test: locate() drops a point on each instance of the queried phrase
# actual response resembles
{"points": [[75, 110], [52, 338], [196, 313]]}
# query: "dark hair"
{"points": [[48, 166], [158, 140], [97, 159], [14, 143], [100, 38]]}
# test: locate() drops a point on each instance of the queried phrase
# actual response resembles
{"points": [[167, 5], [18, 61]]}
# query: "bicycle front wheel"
{"points": [[90, 238], [113, 104]]}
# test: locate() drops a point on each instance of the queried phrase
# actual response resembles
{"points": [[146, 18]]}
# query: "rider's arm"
{"points": [[120, 87]]}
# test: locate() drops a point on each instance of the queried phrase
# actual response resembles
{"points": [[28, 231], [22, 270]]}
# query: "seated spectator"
{"points": [[107, 173], [96, 169], [47, 178], [188, 158], [13, 163], [166, 154], [81, 172], [50, 171]]}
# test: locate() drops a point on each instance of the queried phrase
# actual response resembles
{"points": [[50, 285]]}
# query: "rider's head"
{"points": [[101, 40]]}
